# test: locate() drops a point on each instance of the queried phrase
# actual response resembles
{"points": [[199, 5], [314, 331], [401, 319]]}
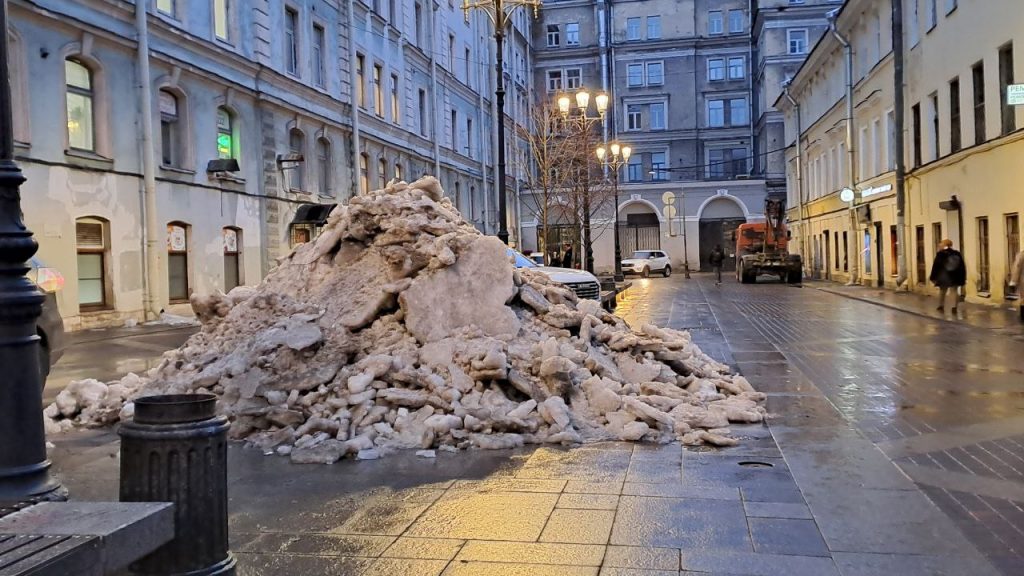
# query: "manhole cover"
{"points": [[753, 464]]}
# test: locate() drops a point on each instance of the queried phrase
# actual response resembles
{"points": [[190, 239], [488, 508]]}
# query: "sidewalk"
{"points": [[1003, 318]]}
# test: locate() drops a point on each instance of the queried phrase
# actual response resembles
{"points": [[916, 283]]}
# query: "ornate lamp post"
{"points": [[585, 123], [24, 469], [500, 12], [618, 158]]}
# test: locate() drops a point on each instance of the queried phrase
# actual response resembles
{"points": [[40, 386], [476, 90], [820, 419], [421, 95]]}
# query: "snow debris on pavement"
{"points": [[402, 326]]}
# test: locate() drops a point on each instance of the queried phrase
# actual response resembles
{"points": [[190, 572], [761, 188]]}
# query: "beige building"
{"points": [[960, 140]]}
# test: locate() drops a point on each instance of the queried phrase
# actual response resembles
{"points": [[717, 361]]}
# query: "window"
{"points": [[378, 90], [91, 245], [657, 111], [890, 140], [635, 75], [716, 69], [296, 146], [395, 115], [554, 80], [634, 117], [835, 242], [846, 252], [225, 134], [715, 22], [170, 131], [1009, 114], [653, 27], [177, 262], [469, 137], [635, 169], [418, 24], [866, 252], [984, 285], [364, 173], [554, 36], [382, 173], [915, 113], [913, 24], [232, 265], [323, 166], [220, 20], [920, 255], [1012, 242], [451, 53], [573, 78], [422, 105], [291, 40], [398, 172], [166, 7], [933, 101], [736, 21], [361, 80], [318, 55], [655, 73], [455, 130], [954, 116], [393, 12], [466, 64], [933, 14], [727, 162], [950, 6], [79, 96], [716, 113], [736, 68], [633, 28], [658, 166], [864, 156], [797, 40], [738, 112], [301, 233], [978, 75], [572, 34]]}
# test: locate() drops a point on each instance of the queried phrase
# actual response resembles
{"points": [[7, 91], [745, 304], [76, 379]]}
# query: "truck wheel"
{"points": [[794, 277], [645, 273], [667, 271], [745, 277]]}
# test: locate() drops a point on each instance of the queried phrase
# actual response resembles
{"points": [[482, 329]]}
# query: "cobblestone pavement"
{"points": [[857, 386], [894, 449]]}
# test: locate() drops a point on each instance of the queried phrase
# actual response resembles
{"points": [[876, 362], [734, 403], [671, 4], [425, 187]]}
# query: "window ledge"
{"points": [[86, 158], [177, 170], [226, 177], [298, 191], [94, 310]]}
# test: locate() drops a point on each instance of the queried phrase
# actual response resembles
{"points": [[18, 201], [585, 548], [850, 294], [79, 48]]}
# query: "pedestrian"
{"points": [[567, 257], [948, 271], [715, 259], [1017, 281]]}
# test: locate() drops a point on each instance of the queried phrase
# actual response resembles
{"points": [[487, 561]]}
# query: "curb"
{"points": [[892, 307]]}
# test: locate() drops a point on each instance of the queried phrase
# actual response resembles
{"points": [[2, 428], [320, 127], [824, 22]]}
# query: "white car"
{"points": [[583, 283], [644, 262]]}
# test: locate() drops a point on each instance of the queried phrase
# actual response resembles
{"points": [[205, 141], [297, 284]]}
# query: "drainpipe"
{"points": [[151, 279], [481, 81], [901, 169], [602, 36], [433, 90], [353, 81], [799, 176], [850, 149]]}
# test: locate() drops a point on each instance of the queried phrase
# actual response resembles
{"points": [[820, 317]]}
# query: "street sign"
{"points": [[1015, 94], [668, 198], [670, 212]]}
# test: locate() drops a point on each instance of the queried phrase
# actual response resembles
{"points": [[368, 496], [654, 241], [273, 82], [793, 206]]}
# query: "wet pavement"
{"points": [[896, 447]]}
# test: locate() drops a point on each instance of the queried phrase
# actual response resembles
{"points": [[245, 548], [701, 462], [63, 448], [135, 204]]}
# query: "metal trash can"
{"points": [[175, 450]]}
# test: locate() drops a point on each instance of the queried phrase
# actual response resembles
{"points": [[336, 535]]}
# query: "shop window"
{"points": [[232, 258], [177, 262]]}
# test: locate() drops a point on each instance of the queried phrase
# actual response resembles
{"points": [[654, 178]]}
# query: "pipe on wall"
{"points": [[152, 277], [851, 164]]}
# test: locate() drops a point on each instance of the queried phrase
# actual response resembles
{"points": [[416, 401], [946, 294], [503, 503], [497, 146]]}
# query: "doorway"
{"points": [[879, 256], [828, 256], [719, 232]]}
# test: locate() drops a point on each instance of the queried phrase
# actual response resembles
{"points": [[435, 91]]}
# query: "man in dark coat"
{"points": [[716, 258], [567, 257], [948, 271]]}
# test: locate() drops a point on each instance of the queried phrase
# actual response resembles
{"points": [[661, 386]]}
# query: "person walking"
{"points": [[567, 257], [948, 271], [1017, 281], [716, 258]]}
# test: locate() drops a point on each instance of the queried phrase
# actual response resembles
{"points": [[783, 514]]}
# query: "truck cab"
{"points": [[763, 248]]}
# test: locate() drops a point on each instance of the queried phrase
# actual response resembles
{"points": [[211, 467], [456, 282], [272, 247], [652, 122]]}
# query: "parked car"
{"points": [[583, 283], [537, 257], [643, 262], [49, 326]]}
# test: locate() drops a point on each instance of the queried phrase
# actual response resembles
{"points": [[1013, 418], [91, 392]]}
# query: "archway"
{"points": [[639, 227], [719, 217]]}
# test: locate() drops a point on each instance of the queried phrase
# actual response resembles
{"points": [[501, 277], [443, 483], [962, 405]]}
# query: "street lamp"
{"points": [[618, 158], [500, 12], [585, 122], [24, 469]]}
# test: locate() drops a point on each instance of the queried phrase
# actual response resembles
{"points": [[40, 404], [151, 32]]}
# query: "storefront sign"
{"points": [[875, 190], [1015, 94]]}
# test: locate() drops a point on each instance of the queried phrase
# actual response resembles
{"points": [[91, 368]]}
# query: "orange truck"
{"points": [[763, 248]]}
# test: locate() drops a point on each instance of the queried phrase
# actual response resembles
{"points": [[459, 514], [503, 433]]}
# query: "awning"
{"points": [[313, 214]]}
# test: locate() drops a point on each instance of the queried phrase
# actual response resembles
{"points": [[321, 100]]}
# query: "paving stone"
{"points": [[776, 510], [406, 567], [500, 569], [679, 523], [588, 501], [642, 558], [280, 564], [513, 485], [787, 536], [533, 552], [590, 487], [382, 517], [854, 564], [609, 571], [578, 526], [751, 564], [425, 548], [318, 544], [517, 516], [680, 491]]}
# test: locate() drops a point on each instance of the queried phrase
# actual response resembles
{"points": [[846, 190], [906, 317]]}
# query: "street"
{"points": [[895, 446]]}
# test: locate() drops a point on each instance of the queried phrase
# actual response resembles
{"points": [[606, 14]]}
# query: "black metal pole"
{"points": [[499, 96], [618, 248], [24, 469], [588, 248]]}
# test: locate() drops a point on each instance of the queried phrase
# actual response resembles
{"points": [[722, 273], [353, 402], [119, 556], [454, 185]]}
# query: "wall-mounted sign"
{"points": [[230, 240], [176, 238], [846, 195], [668, 198], [1015, 94], [875, 190]]}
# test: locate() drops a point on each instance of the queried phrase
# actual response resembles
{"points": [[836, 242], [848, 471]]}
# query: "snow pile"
{"points": [[401, 326]]}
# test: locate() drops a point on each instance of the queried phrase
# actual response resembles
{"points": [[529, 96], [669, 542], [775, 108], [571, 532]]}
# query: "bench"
{"points": [[82, 538]]}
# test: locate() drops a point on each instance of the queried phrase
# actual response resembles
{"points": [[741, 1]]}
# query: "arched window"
{"points": [[382, 173], [177, 262], [232, 258], [398, 172], [93, 248], [296, 145], [79, 97], [227, 145], [323, 166], [364, 173], [170, 130]]}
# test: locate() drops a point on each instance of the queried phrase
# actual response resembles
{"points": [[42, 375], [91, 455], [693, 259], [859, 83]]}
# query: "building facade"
{"points": [[960, 139], [678, 76], [312, 99]]}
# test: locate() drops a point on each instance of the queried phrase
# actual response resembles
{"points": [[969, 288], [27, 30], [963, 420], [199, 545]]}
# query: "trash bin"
{"points": [[175, 450]]}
